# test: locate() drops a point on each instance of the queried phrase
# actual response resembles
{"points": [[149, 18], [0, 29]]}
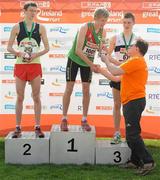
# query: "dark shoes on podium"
{"points": [[17, 133], [64, 125], [84, 124], [39, 132]]}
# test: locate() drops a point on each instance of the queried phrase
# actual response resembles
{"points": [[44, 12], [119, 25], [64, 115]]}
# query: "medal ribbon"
{"points": [[127, 45], [29, 34]]}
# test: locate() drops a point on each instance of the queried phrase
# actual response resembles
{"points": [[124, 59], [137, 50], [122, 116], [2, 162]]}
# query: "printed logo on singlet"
{"points": [[90, 48], [28, 46]]}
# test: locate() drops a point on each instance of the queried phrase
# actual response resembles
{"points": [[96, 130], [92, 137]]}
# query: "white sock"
{"points": [[64, 118], [37, 126], [117, 133], [84, 118], [18, 126]]}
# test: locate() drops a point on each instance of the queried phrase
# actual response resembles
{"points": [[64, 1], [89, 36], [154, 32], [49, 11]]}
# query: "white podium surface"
{"points": [[28, 149], [73, 147], [112, 154]]}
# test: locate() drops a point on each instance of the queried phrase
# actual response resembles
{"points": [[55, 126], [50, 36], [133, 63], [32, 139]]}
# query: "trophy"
{"points": [[27, 54]]}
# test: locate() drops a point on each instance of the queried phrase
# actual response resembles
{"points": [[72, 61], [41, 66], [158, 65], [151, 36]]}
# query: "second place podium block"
{"points": [[27, 149], [72, 147]]}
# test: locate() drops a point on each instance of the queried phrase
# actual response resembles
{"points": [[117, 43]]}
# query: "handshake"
{"points": [[96, 67]]}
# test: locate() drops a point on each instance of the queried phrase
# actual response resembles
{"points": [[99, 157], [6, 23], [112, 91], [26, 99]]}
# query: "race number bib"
{"points": [[89, 52]]}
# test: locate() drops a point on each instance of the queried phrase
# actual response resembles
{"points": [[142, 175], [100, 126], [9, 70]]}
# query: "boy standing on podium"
{"points": [[81, 56], [28, 66]]}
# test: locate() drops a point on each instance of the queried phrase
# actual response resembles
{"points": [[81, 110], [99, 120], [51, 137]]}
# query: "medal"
{"points": [[125, 56]]}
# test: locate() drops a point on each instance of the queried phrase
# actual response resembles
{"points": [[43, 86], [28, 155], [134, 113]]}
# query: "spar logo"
{"points": [[45, 13], [30, 107], [153, 82], [8, 81], [151, 5], [104, 108], [56, 94], [57, 56], [94, 5], [42, 4]]}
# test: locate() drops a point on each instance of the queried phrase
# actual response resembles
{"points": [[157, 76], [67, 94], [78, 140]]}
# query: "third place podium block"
{"points": [[112, 154], [73, 147], [27, 149]]}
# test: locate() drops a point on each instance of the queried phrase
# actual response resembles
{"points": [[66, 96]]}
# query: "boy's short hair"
{"points": [[101, 12], [129, 15], [142, 45], [27, 5]]}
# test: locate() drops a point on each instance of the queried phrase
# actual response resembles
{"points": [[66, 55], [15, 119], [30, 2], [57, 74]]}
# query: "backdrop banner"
{"points": [[62, 19]]}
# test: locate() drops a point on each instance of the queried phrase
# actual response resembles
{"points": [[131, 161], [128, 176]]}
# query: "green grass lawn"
{"points": [[73, 172]]}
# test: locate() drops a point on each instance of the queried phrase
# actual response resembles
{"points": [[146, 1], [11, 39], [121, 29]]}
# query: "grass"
{"points": [[73, 172]]}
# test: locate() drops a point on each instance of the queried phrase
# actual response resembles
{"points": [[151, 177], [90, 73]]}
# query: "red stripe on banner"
{"points": [[103, 124]]}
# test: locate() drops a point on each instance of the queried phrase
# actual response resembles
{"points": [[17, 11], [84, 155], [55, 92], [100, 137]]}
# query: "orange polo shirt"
{"points": [[134, 80]]}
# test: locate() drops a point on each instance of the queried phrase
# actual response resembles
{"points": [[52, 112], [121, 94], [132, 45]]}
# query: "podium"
{"points": [[106, 153], [28, 149], [73, 147]]}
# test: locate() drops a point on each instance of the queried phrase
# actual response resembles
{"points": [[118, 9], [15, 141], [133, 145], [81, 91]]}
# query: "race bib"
{"points": [[89, 52]]}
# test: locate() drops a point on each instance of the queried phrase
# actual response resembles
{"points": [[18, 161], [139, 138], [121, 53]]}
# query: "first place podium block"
{"points": [[112, 154], [28, 149], [73, 147]]}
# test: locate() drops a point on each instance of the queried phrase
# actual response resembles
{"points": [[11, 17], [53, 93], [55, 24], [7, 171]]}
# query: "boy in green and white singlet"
{"points": [[81, 56]]}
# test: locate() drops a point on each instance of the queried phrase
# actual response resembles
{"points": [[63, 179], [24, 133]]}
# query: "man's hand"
{"points": [[95, 67], [103, 58], [98, 70], [107, 59]]}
